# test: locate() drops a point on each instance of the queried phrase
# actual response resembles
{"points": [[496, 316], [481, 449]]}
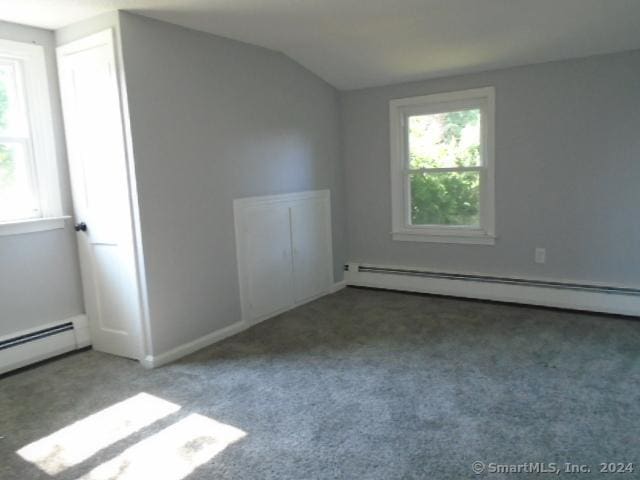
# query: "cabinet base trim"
{"points": [[153, 361]]}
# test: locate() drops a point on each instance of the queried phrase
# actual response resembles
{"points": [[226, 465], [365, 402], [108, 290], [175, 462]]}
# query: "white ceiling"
{"points": [[359, 43]]}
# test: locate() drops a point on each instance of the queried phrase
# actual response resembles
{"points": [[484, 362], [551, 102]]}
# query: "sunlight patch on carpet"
{"points": [[79, 441], [172, 453]]}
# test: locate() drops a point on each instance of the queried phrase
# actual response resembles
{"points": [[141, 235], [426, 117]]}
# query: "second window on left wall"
{"points": [[29, 189]]}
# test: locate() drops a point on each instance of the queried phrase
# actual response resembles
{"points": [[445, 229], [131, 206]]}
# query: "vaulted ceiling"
{"points": [[359, 43]]}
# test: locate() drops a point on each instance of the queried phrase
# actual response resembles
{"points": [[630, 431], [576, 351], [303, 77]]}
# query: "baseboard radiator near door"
{"points": [[614, 299], [30, 346]]}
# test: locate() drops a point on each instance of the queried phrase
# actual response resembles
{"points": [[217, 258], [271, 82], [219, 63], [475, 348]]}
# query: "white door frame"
{"points": [[111, 37]]}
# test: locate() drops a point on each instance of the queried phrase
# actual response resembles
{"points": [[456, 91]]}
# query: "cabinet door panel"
{"points": [[311, 240], [268, 259]]}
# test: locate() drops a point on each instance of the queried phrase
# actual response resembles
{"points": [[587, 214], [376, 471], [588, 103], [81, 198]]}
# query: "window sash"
{"points": [[22, 137], [36, 134], [15, 139], [22, 107], [30, 171], [441, 226], [422, 110], [409, 171]]}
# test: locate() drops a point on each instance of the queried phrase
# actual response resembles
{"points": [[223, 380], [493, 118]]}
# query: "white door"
{"points": [[311, 240], [101, 194], [268, 259]]}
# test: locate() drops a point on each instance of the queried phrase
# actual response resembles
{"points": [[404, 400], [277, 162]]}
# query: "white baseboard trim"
{"points": [[621, 304], [153, 361], [339, 286], [17, 355]]}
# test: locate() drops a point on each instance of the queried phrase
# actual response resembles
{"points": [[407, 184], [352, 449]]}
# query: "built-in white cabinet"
{"points": [[284, 251]]}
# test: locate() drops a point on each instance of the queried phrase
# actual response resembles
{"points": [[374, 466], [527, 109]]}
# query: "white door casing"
{"points": [[101, 192]]}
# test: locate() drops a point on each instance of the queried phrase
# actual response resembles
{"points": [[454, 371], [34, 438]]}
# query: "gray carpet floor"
{"points": [[366, 384]]}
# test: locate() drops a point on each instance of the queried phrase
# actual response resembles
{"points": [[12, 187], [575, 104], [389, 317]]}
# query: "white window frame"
{"points": [[44, 161], [399, 109]]}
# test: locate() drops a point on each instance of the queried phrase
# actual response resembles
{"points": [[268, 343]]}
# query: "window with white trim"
{"points": [[29, 189], [442, 180]]}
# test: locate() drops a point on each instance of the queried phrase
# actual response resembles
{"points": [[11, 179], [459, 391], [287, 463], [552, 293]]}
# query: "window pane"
{"points": [[13, 118], [17, 200], [444, 140], [445, 198]]}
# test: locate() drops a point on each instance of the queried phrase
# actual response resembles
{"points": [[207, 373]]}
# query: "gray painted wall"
{"points": [[39, 273], [567, 172], [212, 120], [215, 119]]}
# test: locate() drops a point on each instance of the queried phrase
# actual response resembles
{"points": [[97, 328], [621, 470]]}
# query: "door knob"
{"points": [[80, 227]]}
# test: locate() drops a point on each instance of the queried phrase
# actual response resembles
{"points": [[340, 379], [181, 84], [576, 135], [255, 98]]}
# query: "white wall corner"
{"points": [[337, 286], [147, 362]]}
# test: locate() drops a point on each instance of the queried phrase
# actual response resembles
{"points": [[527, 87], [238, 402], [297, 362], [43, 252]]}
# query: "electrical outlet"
{"points": [[541, 255]]}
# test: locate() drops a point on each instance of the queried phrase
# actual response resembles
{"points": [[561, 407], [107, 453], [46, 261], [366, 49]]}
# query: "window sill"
{"points": [[473, 239], [32, 225]]}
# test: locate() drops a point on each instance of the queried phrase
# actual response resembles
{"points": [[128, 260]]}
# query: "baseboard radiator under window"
{"points": [[579, 296], [31, 346]]}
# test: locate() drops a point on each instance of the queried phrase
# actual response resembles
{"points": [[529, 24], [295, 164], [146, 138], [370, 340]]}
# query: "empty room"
{"points": [[304, 239]]}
